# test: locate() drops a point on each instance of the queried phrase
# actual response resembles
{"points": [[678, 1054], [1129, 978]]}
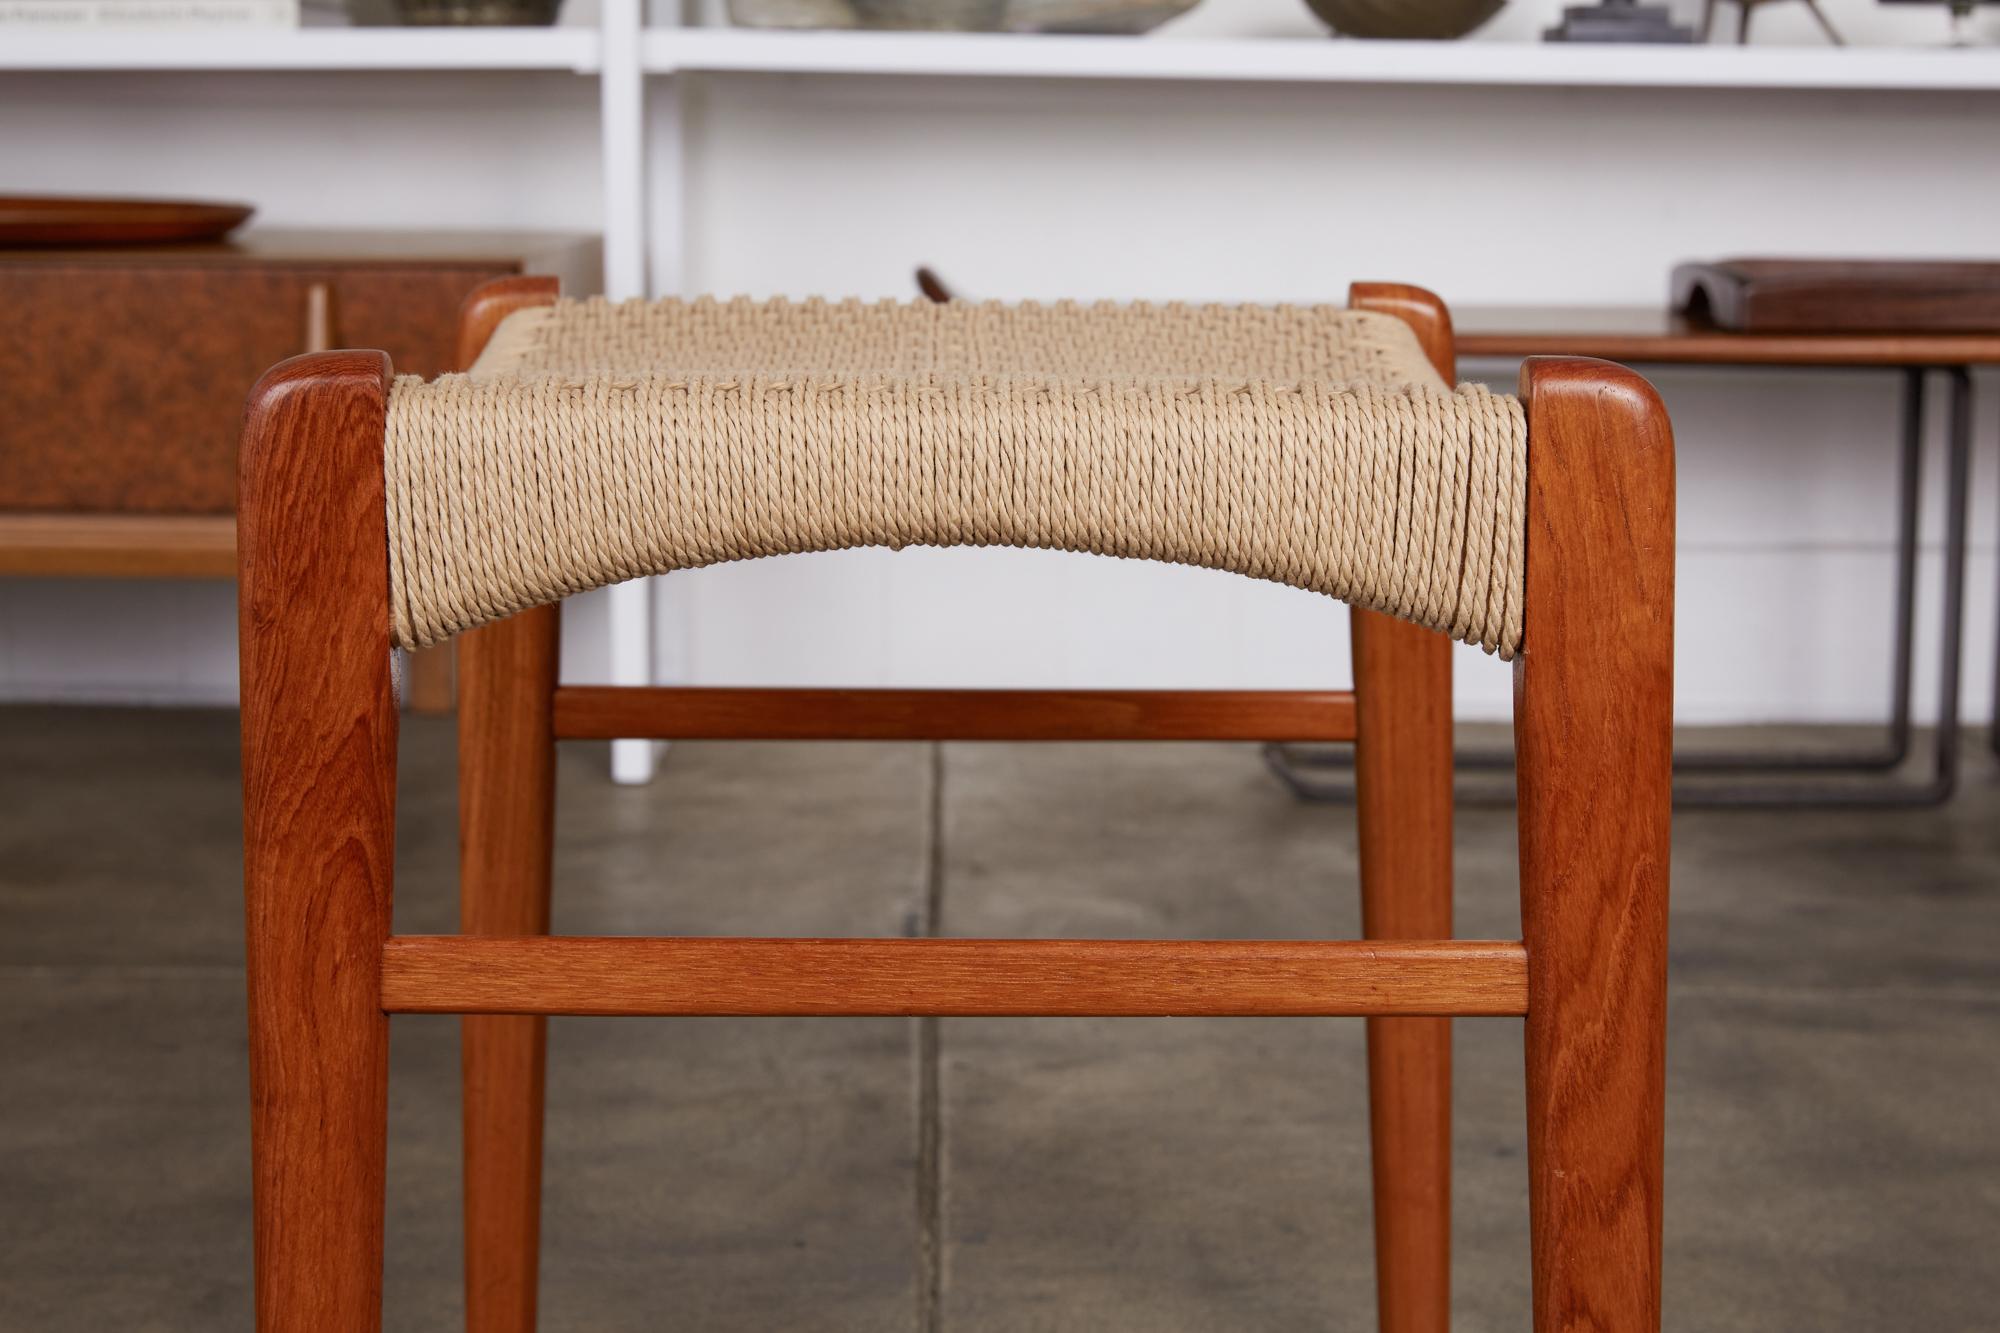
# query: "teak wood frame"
{"points": [[1593, 686], [1403, 678]]}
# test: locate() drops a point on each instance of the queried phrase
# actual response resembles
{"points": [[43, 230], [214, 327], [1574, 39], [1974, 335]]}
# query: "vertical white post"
{"points": [[667, 252], [667, 257], [622, 108]]}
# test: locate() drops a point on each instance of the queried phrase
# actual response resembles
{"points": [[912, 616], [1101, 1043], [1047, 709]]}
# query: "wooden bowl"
{"points": [[31, 220], [1435, 19]]}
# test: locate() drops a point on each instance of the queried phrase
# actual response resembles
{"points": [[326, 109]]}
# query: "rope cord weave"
{"points": [[594, 443]]}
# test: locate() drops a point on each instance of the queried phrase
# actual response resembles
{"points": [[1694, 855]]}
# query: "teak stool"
{"points": [[1401, 702], [1310, 446]]}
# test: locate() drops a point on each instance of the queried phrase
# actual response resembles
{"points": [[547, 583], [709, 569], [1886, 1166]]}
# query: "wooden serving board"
{"points": [[55, 221], [1841, 295]]}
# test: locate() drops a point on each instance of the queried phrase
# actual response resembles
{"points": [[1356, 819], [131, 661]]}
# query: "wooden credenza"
{"points": [[126, 371]]}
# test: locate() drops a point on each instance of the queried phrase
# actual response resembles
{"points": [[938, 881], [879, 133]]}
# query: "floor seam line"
{"points": [[1725, 991], [930, 1109]]}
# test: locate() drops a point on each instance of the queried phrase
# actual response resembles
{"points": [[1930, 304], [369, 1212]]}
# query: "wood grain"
{"points": [[506, 814], [319, 785], [491, 302], [1423, 310], [1593, 720], [592, 712], [506, 822], [118, 546], [65, 220], [104, 415], [578, 975], [1403, 803]]}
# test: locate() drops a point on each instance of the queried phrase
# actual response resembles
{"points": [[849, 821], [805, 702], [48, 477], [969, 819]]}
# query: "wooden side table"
{"points": [[1655, 336], [128, 369]]}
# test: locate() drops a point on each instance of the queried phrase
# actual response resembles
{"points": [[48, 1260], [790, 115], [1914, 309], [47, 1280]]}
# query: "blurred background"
{"points": [[1497, 181], [1835, 1031]]}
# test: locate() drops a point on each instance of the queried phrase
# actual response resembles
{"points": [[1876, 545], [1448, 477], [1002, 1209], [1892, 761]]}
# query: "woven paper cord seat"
{"points": [[597, 442]]}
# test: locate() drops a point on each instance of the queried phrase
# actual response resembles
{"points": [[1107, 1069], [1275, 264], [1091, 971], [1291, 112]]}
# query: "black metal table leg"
{"points": [[1909, 520], [1290, 763], [1993, 721], [1944, 755]]}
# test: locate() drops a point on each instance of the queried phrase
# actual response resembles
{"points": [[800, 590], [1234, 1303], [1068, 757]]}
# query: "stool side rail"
{"points": [[603, 712], [555, 974]]}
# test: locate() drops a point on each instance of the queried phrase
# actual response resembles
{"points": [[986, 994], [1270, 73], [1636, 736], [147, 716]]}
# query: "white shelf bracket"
{"points": [[622, 107]]}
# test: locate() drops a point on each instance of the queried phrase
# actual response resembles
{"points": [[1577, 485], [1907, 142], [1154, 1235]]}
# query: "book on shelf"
{"points": [[96, 15]]}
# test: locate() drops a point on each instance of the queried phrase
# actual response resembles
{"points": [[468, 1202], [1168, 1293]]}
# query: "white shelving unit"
{"points": [[672, 50], [642, 73], [1536, 64], [284, 50]]}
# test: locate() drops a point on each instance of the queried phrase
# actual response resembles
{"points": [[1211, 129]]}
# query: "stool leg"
{"points": [[1403, 798], [429, 686], [319, 795], [1593, 726], [506, 757]]}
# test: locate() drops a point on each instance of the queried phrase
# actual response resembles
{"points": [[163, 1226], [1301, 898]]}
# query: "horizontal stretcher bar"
{"points": [[470, 974], [609, 712]]}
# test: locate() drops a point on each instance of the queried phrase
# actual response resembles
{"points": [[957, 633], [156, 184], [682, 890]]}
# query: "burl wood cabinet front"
{"points": [[124, 380]]}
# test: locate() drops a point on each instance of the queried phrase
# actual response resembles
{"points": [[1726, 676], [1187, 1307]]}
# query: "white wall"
{"points": [[1224, 192]]}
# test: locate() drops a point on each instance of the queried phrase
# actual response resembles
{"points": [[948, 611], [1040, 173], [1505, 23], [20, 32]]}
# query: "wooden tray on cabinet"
{"points": [[31, 220]]}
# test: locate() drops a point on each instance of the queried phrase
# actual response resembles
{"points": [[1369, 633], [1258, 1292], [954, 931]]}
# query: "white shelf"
{"points": [[293, 49], [988, 55], [1535, 64]]}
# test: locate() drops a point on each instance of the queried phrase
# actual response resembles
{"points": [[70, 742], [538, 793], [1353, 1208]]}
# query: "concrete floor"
{"points": [[1833, 1147]]}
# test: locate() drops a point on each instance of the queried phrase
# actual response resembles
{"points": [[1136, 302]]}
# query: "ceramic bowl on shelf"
{"points": [[894, 15], [1073, 16], [477, 13], [1093, 16], [1433, 19]]}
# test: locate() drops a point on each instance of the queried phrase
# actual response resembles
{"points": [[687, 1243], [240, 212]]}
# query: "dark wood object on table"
{"points": [[127, 370], [1594, 686], [1841, 295], [1914, 352], [1664, 337]]}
